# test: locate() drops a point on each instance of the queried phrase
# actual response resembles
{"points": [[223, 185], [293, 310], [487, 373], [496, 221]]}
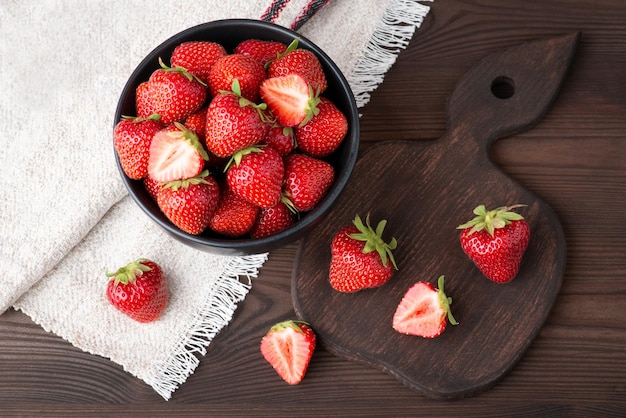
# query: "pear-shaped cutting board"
{"points": [[425, 190]]}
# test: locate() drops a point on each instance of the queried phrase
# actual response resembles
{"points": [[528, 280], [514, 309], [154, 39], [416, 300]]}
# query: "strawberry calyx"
{"points": [[184, 183], [238, 156], [290, 48], [445, 301], [235, 90], [490, 220], [139, 119], [373, 239], [290, 323], [130, 272], [181, 70]]}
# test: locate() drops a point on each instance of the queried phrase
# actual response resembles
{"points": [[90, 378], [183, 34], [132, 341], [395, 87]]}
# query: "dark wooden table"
{"points": [[575, 160]]}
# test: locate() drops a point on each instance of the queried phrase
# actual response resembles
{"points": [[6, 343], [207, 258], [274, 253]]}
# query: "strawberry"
{"points": [[280, 138], [307, 180], [143, 105], [234, 215], [323, 134], [272, 220], [302, 62], [174, 93], [152, 186], [233, 123], [360, 258], [424, 311], [256, 174], [495, 240], [175, 154], [262, 51], [288, 346], [138, 290], [190, 203], [197, 123], [197, 57], [290, 99], [247, 70], [132, 137]]}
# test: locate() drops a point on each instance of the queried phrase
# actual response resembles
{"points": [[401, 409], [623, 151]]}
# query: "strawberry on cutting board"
{"points": [[288, 346], [360, 259], [138, 290], [496, 240], [424, 311]]}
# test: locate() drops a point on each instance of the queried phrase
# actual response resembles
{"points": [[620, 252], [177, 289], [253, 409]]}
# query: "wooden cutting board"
{"points": [[425, 190]]}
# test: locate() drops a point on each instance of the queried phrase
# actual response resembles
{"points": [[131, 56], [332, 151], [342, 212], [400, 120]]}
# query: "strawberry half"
{"points": [[495, 240], [360, 259], [138, 290], [424, 311], [288, 346], [290, 99], [175, 154]]}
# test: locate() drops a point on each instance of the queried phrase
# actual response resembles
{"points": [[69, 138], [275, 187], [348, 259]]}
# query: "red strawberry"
{"points": [[247, 70], [174, 93], [290, 99], [307, 180], [152, 186], [143, 104], [424, 311], [197, 123], [272, 220], [360, 257], [281, 139], [288, 346], [138, 290], [323, 134], [190, 203], [234, 215], [256, 174], [495, 241], [302, 62], [233, 123], [175, 154], [132, 138], [197, 57], [262, 51]]}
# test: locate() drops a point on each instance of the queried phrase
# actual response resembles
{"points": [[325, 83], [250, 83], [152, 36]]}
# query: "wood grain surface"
{"points": [[573, 160], [424, 190]]}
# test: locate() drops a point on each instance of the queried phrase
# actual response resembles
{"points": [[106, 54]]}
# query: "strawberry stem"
{"points": [[490, 220], [445, 301], [373, 239]]}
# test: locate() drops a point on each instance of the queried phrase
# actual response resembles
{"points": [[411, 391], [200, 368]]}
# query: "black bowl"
{"points": [[229, 33]]}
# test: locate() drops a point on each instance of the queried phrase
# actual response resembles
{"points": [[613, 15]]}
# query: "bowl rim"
{"points": [[247, 245]]}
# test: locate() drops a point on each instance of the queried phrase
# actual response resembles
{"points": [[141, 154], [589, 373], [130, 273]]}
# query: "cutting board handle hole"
{"points": [[503, 87]]}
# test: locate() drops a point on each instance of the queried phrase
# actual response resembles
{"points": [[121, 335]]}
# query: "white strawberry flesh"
{"points": [[172, 157], [420, 312]]}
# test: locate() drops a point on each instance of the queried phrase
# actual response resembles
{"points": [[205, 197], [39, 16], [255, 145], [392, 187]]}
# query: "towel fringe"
{"points": [[392, 35], [216, 312]]}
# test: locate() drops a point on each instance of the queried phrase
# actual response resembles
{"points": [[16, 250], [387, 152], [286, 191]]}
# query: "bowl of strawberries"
{"points": [[236, 136]]}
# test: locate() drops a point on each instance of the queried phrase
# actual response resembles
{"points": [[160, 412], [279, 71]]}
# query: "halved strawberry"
{"points": [[288, 346], [175, 154], [424, 311], [291, 100]]}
